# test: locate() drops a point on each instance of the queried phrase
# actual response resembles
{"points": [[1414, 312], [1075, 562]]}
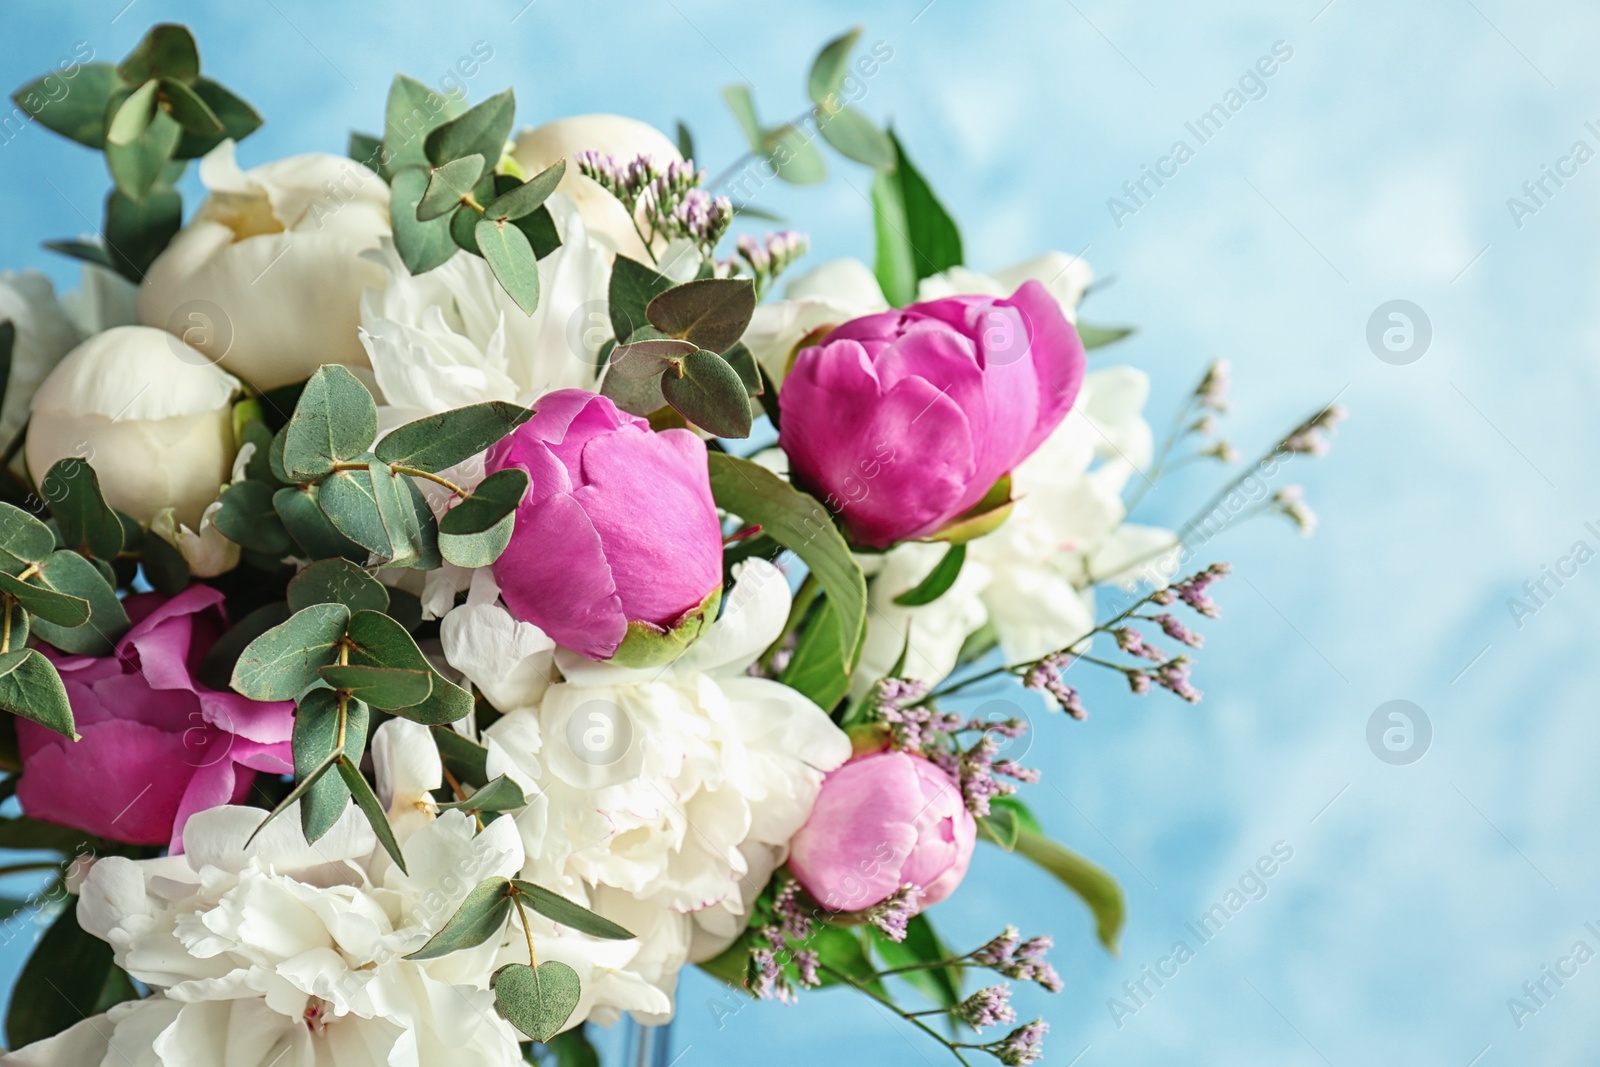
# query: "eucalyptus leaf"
{"points": [[633, 285], [23, 538], [304, 784], [477, 530], [283, 662], [137, 231], [192, 113], [216, 669], [139, 164], [239, 120], [86, 521], [247, 518], [511, 258], [482, 915], [709, 393], [413, 111], [80, 112], [376, 640], [316, 742], [537, 1001], [60, 608], [167, 50], [501, 794], [337, 581], [794, 155], [164, 566], [528, 197], [644, 360], [304, 519], [743, 107], [422, 245], [540, 229], [132, 114], [85, 251], [349, 498], [31, 688], [438, 441], [559, 909], [466, 759], [856, 137], [711, 313], [448, 184], [69, 574], [637, 396], [463, 228], [385, 688], [832, 65], [482, 130], [336, 420], [372, 808], [1094, 336]]}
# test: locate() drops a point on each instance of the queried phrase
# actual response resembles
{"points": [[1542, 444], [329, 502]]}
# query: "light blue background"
{"points": [[1377, 167]]}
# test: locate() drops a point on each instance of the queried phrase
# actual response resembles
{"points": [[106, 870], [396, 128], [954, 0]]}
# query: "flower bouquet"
{"points": [[443, 594]]}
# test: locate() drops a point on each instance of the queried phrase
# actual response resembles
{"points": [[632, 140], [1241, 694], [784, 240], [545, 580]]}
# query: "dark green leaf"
{"points": [[336, 420], [61, 983], [47, 604], [637, 396], [829, 69], [23, 538], [842, 950], [248, 518], [799, 523], [422, 245], [528, 197], [217, 668], [478, 529], [31, 688], [482, 915], [645, 360], [501, 794], [317, 537], [372, 808], [536, 1001], [743, 361], [467, 760], [685, 141], [559, 909], [69, 574], [86, 521], [382, 687], [166, 51], [439, 441], [938, 581], [164, 566], [304, 784], [192, 113], [482, 130], [337, 581], [540, 230], [572, 1048], [633, 285], [14, 625], [711, 313], [511, 259], [794, 156], [448, 184], [916, 236], [710, 394], [856, 137], [366, 150], [316, 743], [422, 529], [86, 251], [1099, 336], [744, 112], [379, 641], [1001, 827], [139, 165], [413, 111], [1093, 885], [239, 120], [283, 662], [75, 107], [137, 231], [259, 466], [349, 499], [814, 667], [463, 228]]}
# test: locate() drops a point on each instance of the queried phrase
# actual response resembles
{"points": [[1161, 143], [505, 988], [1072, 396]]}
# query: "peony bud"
{"points": [[617, 550], [151, 415], [904, 420], [881, 823], [267, 278], [614, 135]]}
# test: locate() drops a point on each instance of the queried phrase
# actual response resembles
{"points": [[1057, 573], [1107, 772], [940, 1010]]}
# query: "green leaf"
{"points": [[644, 360], [376, 640], [138, 165], [216, 669], [483, 130], [422, 245], [637, 396], [922, 945], [283, 662], [23, 538], [831, 66], [743, 361], [501, 794], [247, 518], [366, 149], [132, 114], [540, 229], [304, 784], [1094, 886], [413, 111], [303, 517], [59, 608], [14, 624], [685, 141], [814, 667], [916, 236], [511, 258], [527, 197], [710, 394], [938, 581], [842, 949], [69, 574], [467, 760], [743, 107], [163, 565], [431, 444], [84, 251], [559, 909], [61, 984], [316, 744], [405, 518], [137, 231], [448, 185], [239, 120], [798, 522], [536, 1001], [794, 156], [477, 530], [166, 51], [1094, 336], [192, 113], [633, 285], [350, 501], [31, 688], [482, 915], [79, 113], [86, 521], [572, 1047], [711, 312], [336, 420], [381, 687], [372, 808], [422, 529], [337, 581], [856, 137], [463, 228]]}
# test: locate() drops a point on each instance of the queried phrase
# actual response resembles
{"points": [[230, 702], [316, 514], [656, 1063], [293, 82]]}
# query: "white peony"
{"points": [[45, 332], [152, 415], [662, 798], [266, 279], [615, 135], [286, 954], [453, 337]]}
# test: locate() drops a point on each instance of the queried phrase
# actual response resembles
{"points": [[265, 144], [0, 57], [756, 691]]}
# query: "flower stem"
{"points": [[910, 1017], [434, 478], [527, 931]]}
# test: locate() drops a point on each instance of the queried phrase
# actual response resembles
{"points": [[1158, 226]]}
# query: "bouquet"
{"points": [[445, 592]]}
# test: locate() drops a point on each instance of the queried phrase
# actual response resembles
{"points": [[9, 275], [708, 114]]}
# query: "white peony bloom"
{"points": [[45, 332], [152, 415], [666, 797], [1066, 277], [207, 552], [930, 635], [266, 279], [814, 303], [281, 953], [615, 135], [453, 336]]}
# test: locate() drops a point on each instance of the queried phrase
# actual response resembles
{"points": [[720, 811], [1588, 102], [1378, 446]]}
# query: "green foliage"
{"points": [[317, 744], [337, 581], [283, 662], [633, 285], [510, 257], [559, 909], [916, 237], [922, 945], [86, 521], [1009, 820], [481, 915], [938, 581], [69, 977], [72, 576], [31, 688], [536, 1000], [500, 794], [709, 313], [1094, 336], [477, 530], [708, 392]]}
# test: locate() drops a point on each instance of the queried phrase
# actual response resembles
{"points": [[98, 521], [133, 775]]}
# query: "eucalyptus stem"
{"points": [[910, 1017], [527, 931]]}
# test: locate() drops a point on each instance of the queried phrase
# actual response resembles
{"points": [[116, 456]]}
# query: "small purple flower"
{"points": [[1022, 1046], [1179, 632], [806, 962], [987, 1007], [892, 916], [999, 949], [1045, 677], [1132, 642]]}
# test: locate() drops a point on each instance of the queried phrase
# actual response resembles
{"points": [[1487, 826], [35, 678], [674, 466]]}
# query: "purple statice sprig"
{"points": [[1020, 1047], [665, 200], [764, 258]]}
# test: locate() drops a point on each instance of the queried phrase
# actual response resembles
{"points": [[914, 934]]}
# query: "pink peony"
{"points": [[903, 420], [618, 526], [881, 822], [157, 746]]}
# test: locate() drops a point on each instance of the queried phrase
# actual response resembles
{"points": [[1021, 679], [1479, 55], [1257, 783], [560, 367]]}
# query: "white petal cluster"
{"points": [[662, 798]]}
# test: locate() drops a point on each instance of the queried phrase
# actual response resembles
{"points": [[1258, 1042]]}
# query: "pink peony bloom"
{"points": [[618, 525], [903, 420], [157, 746], [883, 822]]}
